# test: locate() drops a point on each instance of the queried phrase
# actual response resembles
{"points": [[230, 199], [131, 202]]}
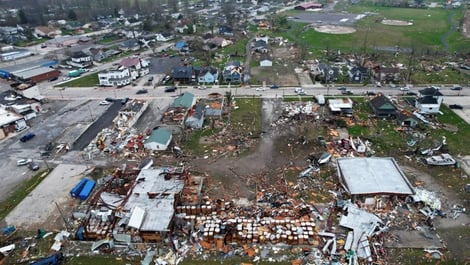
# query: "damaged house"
{"points": [[341, 106], [195, 117], [232, 72], [214, 105], [134, 206]]}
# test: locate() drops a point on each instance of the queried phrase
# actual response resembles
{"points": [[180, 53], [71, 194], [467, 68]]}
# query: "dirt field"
{"points": [[466, 25], [396, 22], [335, 29]]}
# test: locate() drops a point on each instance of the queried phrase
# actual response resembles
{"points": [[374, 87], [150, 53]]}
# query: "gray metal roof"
{"points": [[159, 210], [34, 72], [372, 175], [26, 66]]}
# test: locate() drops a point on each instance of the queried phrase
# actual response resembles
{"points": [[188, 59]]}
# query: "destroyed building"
{"points": [[134, 206], [214, 105], [130, 114], [341, 106]]}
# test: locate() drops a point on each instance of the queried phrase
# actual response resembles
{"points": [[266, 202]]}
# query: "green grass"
{"points": [[246, 120], [424, 35], [21, 192], [194, 143], [457, 141], [109, 39], [90, 80]]}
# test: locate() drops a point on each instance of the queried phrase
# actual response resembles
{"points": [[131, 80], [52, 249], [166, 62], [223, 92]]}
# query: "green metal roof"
{"points": [[159, 135], [185, 100]]}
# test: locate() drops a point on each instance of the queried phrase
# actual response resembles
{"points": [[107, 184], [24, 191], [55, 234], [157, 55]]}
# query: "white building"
{"points": [[137, 67], [341, 106], [118, 77], [10, 122], [14, 55]]}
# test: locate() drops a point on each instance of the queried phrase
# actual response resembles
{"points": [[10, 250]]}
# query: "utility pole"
{"points": [[68, 226]]}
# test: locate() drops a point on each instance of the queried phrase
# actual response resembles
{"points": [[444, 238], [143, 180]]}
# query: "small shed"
{"points": [[406, 120], [158, 140]]}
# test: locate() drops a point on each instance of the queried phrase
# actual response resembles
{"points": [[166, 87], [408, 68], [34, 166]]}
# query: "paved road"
{"points": [[153, 92]]}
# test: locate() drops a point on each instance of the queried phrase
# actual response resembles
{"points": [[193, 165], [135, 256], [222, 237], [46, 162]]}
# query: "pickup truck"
{"points": [[27, 137]]}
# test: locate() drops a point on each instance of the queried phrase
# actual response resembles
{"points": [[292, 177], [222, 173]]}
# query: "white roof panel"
{"points": [[137, 217]]}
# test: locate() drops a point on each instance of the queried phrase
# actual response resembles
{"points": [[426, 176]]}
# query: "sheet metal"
{"points": [[372, 175]]}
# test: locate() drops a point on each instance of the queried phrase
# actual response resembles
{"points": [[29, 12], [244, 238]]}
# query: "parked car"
{"points": [[299, 91], [104, 102], [260, 89], [27, 137], [347, 92], [411, 93], [405, 88], [24, 161], [455, 106], [33, 166], [166, 79], [150, 79], [170, 89], [274, 86], [141, 91], [53, 78], [109, 99], [456, 87], [370, 93], [342, 88], [124, 100]]}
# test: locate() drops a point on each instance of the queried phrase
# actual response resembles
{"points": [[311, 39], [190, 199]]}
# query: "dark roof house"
{"points": [[358, 74], [383, 107], [182, 74]]}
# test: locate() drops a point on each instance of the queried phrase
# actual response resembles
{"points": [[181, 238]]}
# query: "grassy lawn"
{"points": [[424, 35], [21, 192], [247, 119], [90, 80]]}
